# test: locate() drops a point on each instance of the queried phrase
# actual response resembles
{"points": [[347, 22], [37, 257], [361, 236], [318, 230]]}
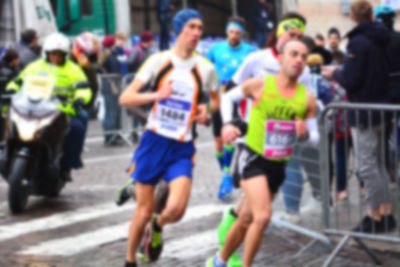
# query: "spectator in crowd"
{"points": [[28, 48], [365, 78], [164, 19], [319, 40], [320, 49], [85, 52], [327, 92], [141, 51], [107, 43], [334, 39], [114, 61], [9, 67], [263, 16], [387, 15], [121, 53], [9, 63]]}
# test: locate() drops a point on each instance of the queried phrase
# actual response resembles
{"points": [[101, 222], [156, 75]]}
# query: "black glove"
{"points": [[242, 125], [78, 104]]}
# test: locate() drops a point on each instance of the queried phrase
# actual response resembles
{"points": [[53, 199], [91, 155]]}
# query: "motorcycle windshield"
{"points": [[38, 87], [26, 107], [35, 99]]}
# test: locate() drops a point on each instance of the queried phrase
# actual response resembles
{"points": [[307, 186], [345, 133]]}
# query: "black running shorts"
{"points": [[249, 165]]}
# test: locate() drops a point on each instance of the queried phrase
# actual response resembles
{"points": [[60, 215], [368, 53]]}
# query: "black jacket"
{"points": [[365, 71], [6, 75], [394, 67]]}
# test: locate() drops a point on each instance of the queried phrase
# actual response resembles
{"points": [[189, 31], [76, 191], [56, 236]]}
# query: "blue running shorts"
{"points": [[160, 157]]}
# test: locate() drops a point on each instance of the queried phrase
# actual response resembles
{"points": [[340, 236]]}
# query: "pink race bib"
{"points": [[279, 139]]}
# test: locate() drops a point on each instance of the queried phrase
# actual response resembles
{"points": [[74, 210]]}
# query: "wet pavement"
{"points": [[84, 228]]}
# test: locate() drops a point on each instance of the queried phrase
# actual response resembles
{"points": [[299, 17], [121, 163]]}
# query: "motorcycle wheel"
{"points": [[18, 191]]}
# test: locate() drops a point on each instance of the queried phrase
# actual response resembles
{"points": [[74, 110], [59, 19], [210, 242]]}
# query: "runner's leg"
{"points": [[237, 232], [142, 215], [259, 198], [179, 193]]}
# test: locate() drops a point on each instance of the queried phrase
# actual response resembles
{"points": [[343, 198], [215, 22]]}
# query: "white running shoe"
{"points": [[287, 217], [313, 206]]}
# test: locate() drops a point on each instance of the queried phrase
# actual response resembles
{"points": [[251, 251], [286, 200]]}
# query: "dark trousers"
{"points": [[74, 142], [342, 149]]}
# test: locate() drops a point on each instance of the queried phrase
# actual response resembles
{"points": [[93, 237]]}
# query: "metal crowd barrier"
{"points": [[305, 163], [118, 121], [378, 128]]}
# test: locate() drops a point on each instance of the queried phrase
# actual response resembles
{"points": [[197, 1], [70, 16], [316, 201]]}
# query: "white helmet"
{"points": [[56, 42]]}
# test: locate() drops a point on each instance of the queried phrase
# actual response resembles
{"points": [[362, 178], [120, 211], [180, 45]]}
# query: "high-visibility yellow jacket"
{"points": [[66, 76]]}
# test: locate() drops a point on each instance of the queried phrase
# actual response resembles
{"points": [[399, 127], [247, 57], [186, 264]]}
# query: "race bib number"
{"points": [[38, 87], [174, 113], [279, 139]]}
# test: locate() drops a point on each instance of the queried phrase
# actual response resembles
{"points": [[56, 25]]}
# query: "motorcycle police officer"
{"points": [[66, 73]]}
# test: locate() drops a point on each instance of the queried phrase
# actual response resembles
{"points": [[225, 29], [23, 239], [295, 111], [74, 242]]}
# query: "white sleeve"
{"points": [[313, 133], [227, 103], [245, 71], [211, 82], [149, 68]]}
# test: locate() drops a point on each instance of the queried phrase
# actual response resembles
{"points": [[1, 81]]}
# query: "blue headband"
{"points": [[235, 25], [182, 17]]}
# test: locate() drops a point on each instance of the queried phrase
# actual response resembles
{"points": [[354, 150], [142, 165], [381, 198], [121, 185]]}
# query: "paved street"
{"points": [[84, 228]]}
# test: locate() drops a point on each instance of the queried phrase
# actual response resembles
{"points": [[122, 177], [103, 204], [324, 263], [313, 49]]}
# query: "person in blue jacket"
{"points": [[227, 56]]}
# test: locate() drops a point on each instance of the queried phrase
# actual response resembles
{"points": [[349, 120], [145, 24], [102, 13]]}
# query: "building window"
{"points": [[86, 7]]}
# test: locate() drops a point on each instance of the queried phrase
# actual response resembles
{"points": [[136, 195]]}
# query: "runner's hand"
{"points": [[165, 91], [202, 115], [230, 133], [301, 128]]}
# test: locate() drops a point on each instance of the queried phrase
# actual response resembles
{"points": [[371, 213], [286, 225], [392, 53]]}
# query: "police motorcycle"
{"points": [[30, 161]]}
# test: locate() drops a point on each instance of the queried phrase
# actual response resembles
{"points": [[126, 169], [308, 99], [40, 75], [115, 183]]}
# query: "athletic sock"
{"points": [[233, 212], [130, 264], [220, 158], [218, 261], [227, 157]]}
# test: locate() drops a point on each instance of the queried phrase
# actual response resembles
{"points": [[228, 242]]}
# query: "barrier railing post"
{"points": [[324, 161]]}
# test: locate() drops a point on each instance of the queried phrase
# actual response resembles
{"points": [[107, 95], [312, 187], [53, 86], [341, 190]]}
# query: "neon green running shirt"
{"points": [[271, 129]]}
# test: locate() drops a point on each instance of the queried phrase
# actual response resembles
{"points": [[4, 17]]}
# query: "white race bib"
{"points": [[173, 115]]}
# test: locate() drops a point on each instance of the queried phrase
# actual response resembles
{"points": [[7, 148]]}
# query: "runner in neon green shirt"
{"points": [[282, 110]]}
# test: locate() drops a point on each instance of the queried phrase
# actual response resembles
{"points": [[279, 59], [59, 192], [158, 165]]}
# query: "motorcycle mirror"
{"points": [[82, 85]]}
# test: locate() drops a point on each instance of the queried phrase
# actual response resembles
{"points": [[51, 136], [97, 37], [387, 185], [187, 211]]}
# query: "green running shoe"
{"points": [[223, 228], [235, 260], [226, 223], [124, 193], [152, 245]]}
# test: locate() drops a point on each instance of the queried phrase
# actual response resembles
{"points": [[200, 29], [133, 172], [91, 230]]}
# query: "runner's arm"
{"points": [[214, 100], [232, 129], [311, 120], [147, 72], [251, 88], [132, 97]]}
